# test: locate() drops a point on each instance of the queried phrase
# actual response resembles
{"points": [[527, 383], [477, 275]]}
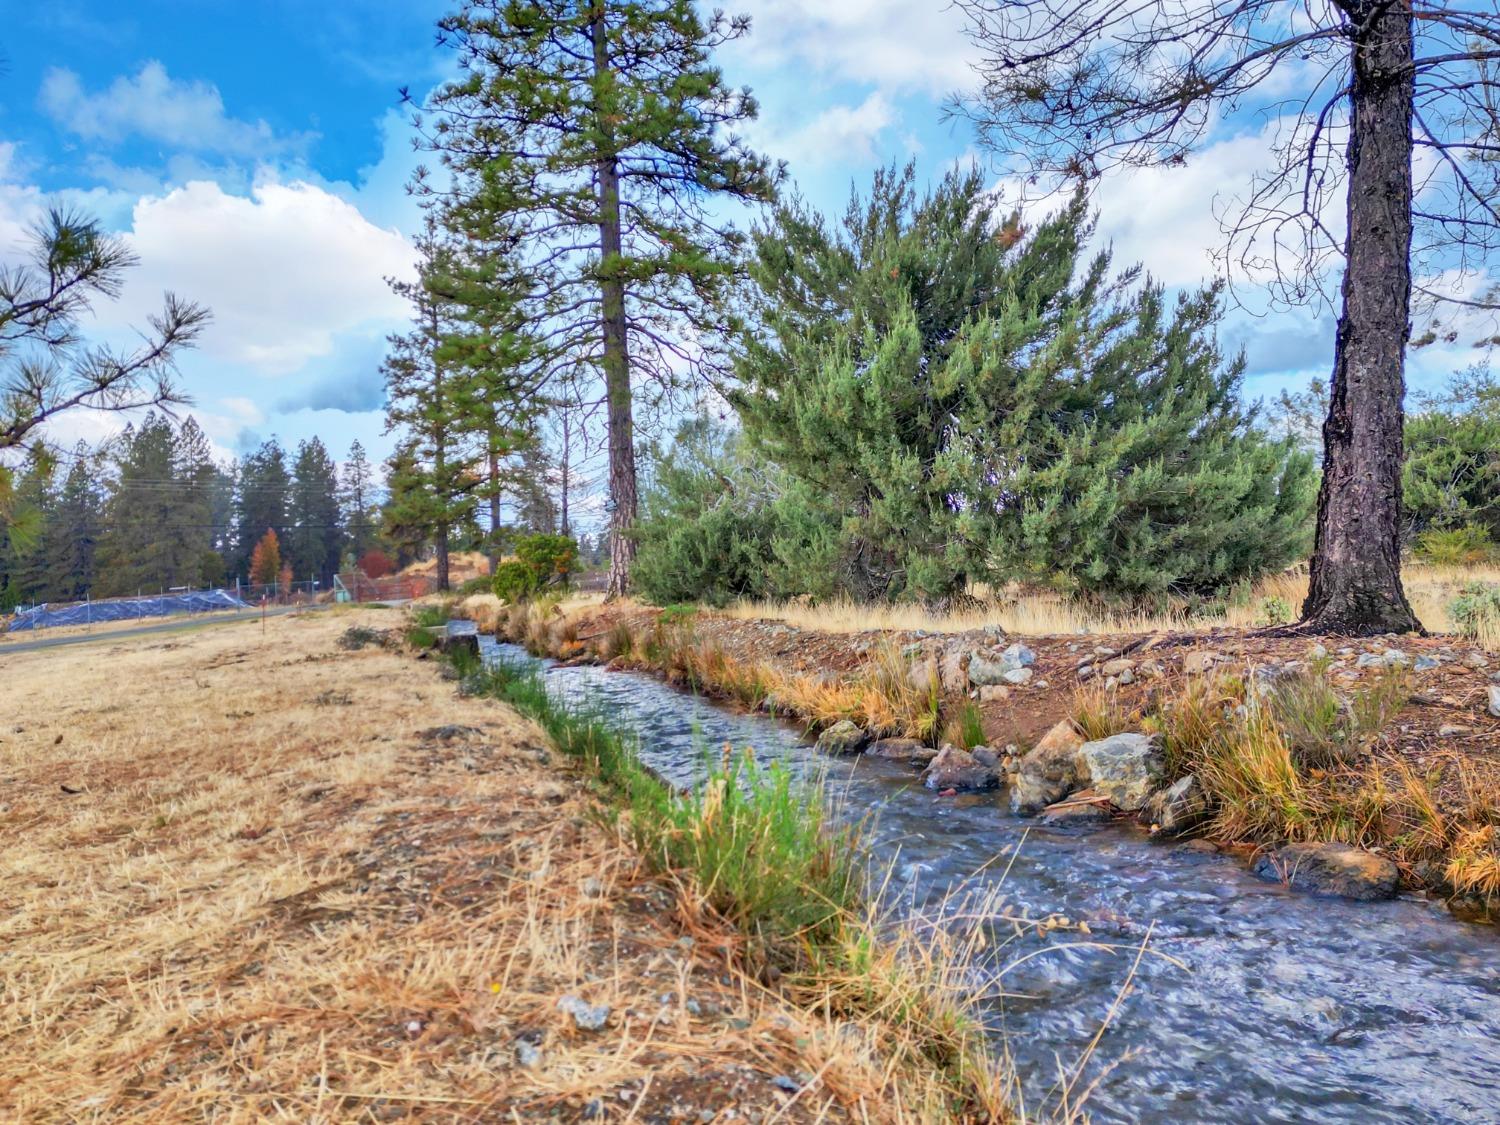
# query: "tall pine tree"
{"points": [[598, 133], [314, 534]]}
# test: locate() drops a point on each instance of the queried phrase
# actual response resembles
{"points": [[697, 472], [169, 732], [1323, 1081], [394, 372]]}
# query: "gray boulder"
{"points": [[1176, 808], [1126, 768], [1079, 813], [958, 769], [1495, 700], [1331, 869], [1049, 771], [986, 669], [1018, 656], [900, 750], [844, 737]]}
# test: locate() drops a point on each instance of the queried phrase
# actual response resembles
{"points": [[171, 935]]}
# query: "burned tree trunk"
{"points": [[1356, 566]]}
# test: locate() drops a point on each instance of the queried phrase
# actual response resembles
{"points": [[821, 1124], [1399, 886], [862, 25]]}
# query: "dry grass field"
{"points": [[1039, 614], [251, 874]]}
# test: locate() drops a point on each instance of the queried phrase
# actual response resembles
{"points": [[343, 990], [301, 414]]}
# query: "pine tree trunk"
{"points": [[616, 355], [1356, 565], [494, 551]]}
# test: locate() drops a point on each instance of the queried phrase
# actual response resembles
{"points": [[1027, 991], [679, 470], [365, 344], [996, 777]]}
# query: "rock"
{"points": [[1152, 670], [900, 750], [1124, 767], [1476, 660], [1451, 730], [1200, 661], [1317, 652], [1018, 656], [1370, 660], [987, 758], [958, 769], [1117, 667], [528, 1055], [924, 674], [1331, 869], [1395, 658], [1018, 676], [844, 737], [1125, 678], [1176, 808], [1426, 663], [1104, 652], [1049, 771], [1494, 690], [1079, 812], [1086, 672], [994, 693], [984, 669], [953, 670], [586, 1017]]}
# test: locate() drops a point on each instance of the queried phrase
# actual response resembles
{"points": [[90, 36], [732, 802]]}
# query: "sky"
{"points": [[255, 157]]}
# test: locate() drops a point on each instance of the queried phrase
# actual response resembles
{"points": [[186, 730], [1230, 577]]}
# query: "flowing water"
{"points": [[1253, 1004]]}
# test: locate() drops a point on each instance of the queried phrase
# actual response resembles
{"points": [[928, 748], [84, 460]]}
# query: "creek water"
{"points": [[1252, 1004]]}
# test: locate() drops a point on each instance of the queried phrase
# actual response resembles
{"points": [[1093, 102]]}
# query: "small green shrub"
{"points": [[1455, 546], [1476, 610], [1276, 611], [679, 614], [541, 561], [513, 581]]}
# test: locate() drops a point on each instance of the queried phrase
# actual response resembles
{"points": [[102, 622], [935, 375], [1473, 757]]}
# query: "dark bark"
{"points": [[622, 486], [1356, 566], [439, 453], [494, 551]]}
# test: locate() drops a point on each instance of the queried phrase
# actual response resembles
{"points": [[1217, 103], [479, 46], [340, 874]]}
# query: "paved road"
{"points": [[168, 626]]}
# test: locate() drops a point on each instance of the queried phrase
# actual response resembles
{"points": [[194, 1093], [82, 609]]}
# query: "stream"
{"points": [[1252, 1004]]}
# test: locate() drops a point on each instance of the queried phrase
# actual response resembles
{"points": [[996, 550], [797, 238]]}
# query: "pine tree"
{"points": [[596, 135], [75, 527], [24, 573], [151, 518], [314, 535], [430, 402], [203, 509], [357, 502], [262, 499], [965, 401]]}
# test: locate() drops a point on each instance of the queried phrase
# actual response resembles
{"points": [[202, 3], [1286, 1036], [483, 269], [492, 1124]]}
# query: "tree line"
{"points": [[153, 510]]}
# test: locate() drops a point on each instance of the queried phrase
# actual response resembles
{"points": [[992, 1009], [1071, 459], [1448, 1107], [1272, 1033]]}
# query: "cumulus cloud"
{"points": [[285, 270], [895, 45], [187, 115], [839, 136]]}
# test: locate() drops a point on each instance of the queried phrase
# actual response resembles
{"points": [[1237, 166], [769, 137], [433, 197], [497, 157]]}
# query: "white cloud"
{"points": [[285, 270], [890, 44], [840, 136], [187, 115]]}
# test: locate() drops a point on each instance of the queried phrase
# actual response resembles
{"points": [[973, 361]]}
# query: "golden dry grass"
{"points": [[270, 890], [1430, 589]]}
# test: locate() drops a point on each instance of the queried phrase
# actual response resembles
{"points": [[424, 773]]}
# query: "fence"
{"points": [[395, 588]]}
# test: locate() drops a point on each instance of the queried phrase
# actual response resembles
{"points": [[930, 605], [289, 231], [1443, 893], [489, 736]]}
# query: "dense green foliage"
{"points": [[586, 145], [542, 560], [959, 400], [154, 509], [1452, 475]]}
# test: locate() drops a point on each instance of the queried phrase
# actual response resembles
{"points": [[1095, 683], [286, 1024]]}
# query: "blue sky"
{"points": [[255, 156]]}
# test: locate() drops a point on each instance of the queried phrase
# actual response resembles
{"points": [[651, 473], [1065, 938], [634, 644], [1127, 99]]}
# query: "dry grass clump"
{"points": [[1299, 760], [225, 899], [485, 610], [1046, 613]]}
